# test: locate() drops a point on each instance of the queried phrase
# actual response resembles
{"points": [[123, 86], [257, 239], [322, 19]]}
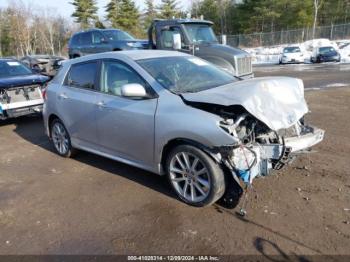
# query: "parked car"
{"points": [[43, 64], [176, 114], [20, 89], [292, 54], [102, 40], [325, 54]]}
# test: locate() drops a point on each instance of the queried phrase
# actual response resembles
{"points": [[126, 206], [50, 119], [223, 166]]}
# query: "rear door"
{"points": [[86, 46], [125, 126], [76, 101]]}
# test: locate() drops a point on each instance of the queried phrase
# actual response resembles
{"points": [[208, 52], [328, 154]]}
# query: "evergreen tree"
{"points": [[150, 14], [99, 24], [209, 9], [85, 12], [169, 9], [123, 14]]}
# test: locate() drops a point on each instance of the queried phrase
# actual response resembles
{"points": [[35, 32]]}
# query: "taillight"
{"points": [[43, 91]]}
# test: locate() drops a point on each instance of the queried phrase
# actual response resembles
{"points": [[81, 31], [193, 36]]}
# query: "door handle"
{"points": [[63, 96]]}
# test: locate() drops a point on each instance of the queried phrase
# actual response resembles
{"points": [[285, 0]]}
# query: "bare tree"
{"points": [[317, 5]]}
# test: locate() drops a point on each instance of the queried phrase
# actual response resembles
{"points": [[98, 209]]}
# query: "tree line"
{"points": [[250, 16], [24, 30]]}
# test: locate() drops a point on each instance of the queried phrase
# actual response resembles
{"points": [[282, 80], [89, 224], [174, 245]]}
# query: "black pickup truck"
{"points": [[196, 37]]}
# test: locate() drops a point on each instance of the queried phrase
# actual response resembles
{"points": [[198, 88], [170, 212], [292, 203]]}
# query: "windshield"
{"points": [[116, 35], [185, 74], [328, 49], [199, 33], [12, 68], [291, 50]]}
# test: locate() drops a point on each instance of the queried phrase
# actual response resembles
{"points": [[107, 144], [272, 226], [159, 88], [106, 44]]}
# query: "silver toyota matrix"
{"points": [[175, 114]]}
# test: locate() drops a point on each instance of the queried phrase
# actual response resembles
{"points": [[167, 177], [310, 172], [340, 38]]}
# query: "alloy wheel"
{"points": [[190, 177], [60, 138]]}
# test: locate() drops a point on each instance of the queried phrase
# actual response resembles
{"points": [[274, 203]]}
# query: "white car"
{"points": [[292, 54]]}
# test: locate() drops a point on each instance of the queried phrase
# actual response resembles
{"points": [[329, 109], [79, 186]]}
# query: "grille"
{"points": [[22, 94], [243, 65]]}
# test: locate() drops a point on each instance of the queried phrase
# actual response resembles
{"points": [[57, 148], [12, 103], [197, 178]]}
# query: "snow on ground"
{"points": [[271, 55]]}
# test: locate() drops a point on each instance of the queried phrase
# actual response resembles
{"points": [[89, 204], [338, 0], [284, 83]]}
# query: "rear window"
{"points": [[83, 75], [291, 50], [11, 68]]}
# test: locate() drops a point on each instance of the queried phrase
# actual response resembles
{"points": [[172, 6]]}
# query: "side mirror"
{"points": [[133, 90], [176, 41]]}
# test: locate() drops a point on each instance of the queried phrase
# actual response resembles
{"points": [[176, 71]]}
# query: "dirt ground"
{"points": [[92, 205]]}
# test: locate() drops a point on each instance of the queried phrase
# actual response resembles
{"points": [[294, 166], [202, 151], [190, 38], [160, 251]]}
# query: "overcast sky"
{"points": [[66, 9]]}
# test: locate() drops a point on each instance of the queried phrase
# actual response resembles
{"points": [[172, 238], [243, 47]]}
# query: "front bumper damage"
{"points": [[20, 101], [246, 163], [249, 162]]}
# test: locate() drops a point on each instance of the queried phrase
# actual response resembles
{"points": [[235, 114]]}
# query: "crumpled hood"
{"points": [[276, 101]]}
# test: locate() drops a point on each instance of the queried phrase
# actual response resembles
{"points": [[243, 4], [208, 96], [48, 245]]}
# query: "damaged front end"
{"points": [[260, 150], [265, 118], [20, 101]]}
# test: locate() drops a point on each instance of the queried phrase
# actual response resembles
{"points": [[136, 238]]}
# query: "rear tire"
{"points": [[195, 177], [61, 139]]}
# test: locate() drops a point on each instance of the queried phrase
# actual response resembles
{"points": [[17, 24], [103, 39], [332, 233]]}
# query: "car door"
{"points": [[166, 39], [86, 46], [76, 102], [125, 126], [100, 43]]}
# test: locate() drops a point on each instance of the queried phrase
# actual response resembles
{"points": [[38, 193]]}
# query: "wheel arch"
{"points": [[51, 118], [171, 144]]}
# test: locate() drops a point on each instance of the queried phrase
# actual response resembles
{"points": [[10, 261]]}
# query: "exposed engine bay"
{"points": [[258, 150], [19, 101]]}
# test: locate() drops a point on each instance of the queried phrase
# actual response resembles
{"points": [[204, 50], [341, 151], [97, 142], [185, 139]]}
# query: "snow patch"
{"points": [[271, 55]]}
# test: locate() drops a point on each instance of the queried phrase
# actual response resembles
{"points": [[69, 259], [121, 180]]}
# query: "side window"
{"points": [[76, 39], [167, 37], [85, 38], [97, 38], [116, 74], [83, 75]]}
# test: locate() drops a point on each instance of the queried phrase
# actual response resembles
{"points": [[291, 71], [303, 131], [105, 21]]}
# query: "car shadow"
{"points": [[31, 129], [260, 243]]}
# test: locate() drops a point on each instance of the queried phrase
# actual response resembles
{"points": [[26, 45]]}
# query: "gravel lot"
{"points": [[92, 205]]}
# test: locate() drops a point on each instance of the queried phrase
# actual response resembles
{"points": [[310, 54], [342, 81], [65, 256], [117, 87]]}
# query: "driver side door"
{"points": [[125, 126], [166, 39]]}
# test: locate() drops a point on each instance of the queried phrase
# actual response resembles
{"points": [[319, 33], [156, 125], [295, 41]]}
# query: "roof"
{"points": [[97, 29], [183, 21], [131, 54]]}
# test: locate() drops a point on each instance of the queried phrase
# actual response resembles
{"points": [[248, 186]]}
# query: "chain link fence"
{"points": [[332, 32]]}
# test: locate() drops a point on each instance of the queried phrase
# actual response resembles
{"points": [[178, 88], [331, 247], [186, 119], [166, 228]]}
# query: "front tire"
{"points": [[61, 139], [195, 177]]}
